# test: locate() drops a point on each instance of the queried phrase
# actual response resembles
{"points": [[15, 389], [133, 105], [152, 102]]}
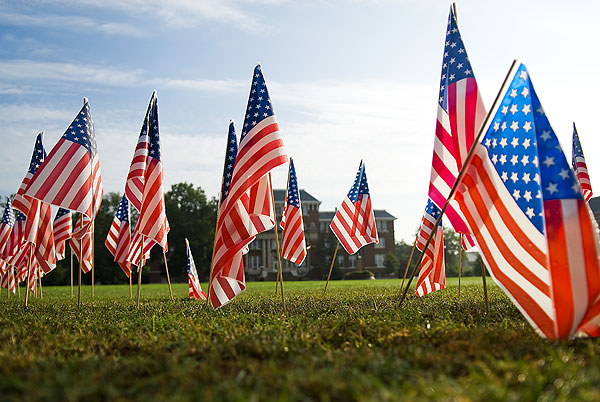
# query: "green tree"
{"points": [[391, 263]]}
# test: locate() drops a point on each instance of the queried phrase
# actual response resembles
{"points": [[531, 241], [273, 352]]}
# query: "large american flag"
{"points": [[118, 240], [580, 167], [6, 226], [354, 221], [70, 176], [459, 116], [432, 274], [38, 225], [293, 243], [195, 290], [248, 208], [524, 206], [144, 186], [63, 228], [83, 246]]}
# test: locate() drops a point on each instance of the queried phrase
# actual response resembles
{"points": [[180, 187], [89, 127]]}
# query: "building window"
{"points": [[323, 226], [273, 244], [255, 261], [255, 245], [352, 261], [379, 258], [381, 243], [381, 225], [341, 261]]}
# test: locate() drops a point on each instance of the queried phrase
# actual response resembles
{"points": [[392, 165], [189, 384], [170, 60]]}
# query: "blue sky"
{"points": [[349, 80]]}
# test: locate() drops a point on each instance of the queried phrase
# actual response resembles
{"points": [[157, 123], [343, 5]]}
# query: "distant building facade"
{"points": [[594, 204], [261, 259]]}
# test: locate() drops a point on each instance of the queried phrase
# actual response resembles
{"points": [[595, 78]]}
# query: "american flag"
{"points": [[354, 221], [459, 117], [118, 240], [144, 186], [432, 275], [230, 156], [248, 208], [70, 176], [16, 240], [195, 290], [86, 249], [526, 211], [8, 277], [6, 226], [580, 168], [63, 228], [293, 244]]}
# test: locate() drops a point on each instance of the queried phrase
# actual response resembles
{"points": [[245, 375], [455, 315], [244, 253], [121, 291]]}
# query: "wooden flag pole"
{"points": [[7, 284], [28, 274], [408, 263], [80, 266], [93, 261], [140, 266], [485, 293], [71, 250], [459, 261], [460, 175], [279, 270], [331, 267], [40, 281], [168, 277], [287, 187], [130, 284], [18, 285]]}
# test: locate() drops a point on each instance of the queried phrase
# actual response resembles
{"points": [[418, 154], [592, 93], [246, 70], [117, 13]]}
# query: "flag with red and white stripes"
{"points": [[6, 226], [118, 240], [293, 243], [16, 241], [8, 277], [63, 228], [83, 246], [248, 208], [580, 167], [195, 290], [460, 115], [354, 221], [432, 274], [532, 226], [70, 175], [144, 186]]}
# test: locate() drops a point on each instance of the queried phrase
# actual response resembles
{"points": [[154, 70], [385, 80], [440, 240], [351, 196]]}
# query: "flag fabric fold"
{"points": [[6, 227], [195, 290], [248, 208], [83, 245], [118, 240], [63, 228], [532, 226], [580, 167], [432, 273], [293, 243], [460, 115], [354, 222]]}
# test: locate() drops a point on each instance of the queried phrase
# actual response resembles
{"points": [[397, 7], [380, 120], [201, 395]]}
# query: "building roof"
{"points": [[594, 204], [379, 214], [279, 195]]}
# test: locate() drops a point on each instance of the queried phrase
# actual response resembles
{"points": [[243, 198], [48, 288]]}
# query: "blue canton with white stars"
{"points": [[456, 65], [7, 217], [81, 130], [153, 129], [524, 149], [293, 197], [38, 156], [432, 210], [230, 156], [61, 212], [360, 185], [20, 216], [191, 265], [123, 210], [259, 103], [577, 151]]}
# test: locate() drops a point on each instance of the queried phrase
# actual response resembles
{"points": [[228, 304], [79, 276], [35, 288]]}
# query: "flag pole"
{"points": [[168, 277], [279, 270], [18, 285], [331, 267], [485, 293], [130, 284], [93, 260], [408, 263], [40, 281], [287, 188], [140, 266], [459, 261], [28, 274], [459, 177], [71, 252], [80, 265]]}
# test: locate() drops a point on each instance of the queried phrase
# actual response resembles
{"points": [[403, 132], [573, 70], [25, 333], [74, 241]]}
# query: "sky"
{"points": [[349, 80]]}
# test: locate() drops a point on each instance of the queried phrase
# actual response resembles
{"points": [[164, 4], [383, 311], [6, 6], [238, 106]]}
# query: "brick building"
{"points": [[261, 260]]}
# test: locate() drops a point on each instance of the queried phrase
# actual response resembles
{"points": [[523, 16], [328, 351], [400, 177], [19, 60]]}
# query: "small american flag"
{"points": [[247, 210], [526, 211], [70, 176], [8, 277], [432, 275], [460, 115], [195, 290], [86, 249], [16, 240], [118, 240], [144, 186], [580, 167], [293, 244], [63, 228], [354, 222], [6, 226]]}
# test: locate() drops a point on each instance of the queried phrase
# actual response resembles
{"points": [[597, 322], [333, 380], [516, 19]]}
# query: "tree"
{"points": [[391, 263]]}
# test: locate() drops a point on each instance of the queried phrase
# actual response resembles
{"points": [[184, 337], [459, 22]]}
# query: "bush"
{"points": [[360, 275]]}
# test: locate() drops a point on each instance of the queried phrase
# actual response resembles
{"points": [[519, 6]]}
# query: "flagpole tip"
{"points": [[85, 100]]}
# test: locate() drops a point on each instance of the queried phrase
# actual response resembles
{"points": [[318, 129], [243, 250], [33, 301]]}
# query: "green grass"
{"points": [[355, 343]]}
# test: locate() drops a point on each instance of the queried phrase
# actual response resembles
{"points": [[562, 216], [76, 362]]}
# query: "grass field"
{"points": [[353, 344]]}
